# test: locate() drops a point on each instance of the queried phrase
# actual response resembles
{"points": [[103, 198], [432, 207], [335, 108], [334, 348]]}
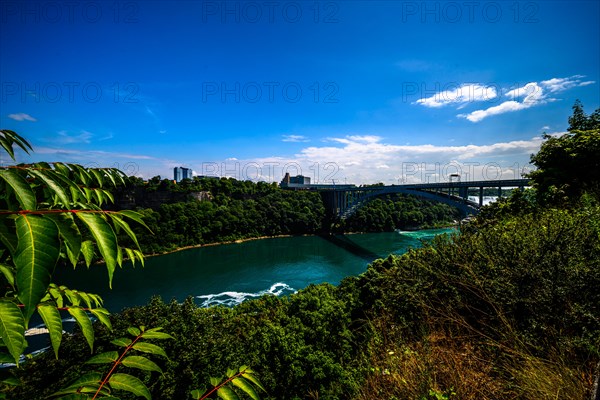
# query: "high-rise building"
{"points": [[180, 173]]}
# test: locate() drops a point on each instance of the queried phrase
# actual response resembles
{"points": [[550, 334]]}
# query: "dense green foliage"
{"points": [[400, 212], [238, 210], [320, 340], [233, 214], [509, 308], [51, 215], [104, 384], [568, 166]]}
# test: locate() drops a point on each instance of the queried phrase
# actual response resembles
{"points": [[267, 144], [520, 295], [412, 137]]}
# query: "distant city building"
{"points": [[180, 173], [294, 180]]}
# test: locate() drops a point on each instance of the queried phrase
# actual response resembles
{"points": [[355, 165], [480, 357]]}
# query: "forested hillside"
{"points": [[233, 210]]}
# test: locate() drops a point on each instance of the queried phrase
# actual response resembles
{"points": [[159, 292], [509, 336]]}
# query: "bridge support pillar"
{"points": [[480, 196]]}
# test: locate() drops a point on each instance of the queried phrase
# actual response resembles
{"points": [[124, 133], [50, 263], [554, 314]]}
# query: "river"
{"points": [[231, 273]]}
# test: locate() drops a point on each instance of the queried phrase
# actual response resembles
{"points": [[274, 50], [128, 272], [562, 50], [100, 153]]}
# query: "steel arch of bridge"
{"points": [[344, 202]]}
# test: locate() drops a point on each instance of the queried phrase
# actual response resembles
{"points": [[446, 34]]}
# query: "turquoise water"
{"points": [[228, 274]]}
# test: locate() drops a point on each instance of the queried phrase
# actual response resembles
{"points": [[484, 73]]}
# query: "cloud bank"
{"points": [[513, 99]]}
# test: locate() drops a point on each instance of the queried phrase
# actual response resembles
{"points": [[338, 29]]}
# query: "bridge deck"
{"points": [[343, 200]]}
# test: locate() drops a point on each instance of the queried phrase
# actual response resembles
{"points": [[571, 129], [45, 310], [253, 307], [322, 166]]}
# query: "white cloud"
{"points": [[507, 106], [533, 94], [556, 85], [22, 117], [294, 138], [519, 98], [461, 95], [359, 159], [65, 138], [363, 159]]}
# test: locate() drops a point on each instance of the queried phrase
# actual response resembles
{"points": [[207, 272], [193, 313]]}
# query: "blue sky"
{"points": [[354, 91]]}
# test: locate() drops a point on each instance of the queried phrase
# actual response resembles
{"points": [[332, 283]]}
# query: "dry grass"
{"points": [[537, 379], [449, 367], [445, 366]]}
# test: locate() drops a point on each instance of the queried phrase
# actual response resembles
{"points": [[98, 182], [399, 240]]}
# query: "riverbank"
{"points": [[197, 246], [455, 224]]}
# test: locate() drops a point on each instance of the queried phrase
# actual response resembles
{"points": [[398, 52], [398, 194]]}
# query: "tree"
{"points": [[51, 216], [579, 121], [569, 165]]}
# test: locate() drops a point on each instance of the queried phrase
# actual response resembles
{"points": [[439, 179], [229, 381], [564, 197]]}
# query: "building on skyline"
{"points": [[181, 173], [294, 180]]}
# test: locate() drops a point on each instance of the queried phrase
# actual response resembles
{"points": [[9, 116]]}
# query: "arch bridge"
{"points": [[343, 200]]}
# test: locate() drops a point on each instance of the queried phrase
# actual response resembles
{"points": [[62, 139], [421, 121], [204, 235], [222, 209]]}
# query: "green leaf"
{"points": [[104, 358], [140, 362], [226, 393], [150, 348], [97, 301], [231, 372], [73, 297], [105, 239], [130, 384], [246, 387], [215, 381], [51, 317], [122, 342], [155, 333], [123, 225], [137, 217], [197, 393], [56, 294], [69, 231], [12, 329], [23, 191], [87, 249], [131, 255], [97, 175], [102, 316], [12, 381], [140, 256], [62, 169], [91, 379], [8, 138], [254, 380], [99, 195], [109, 195], [9, 273], [45, 176], [119, 256], [86, 299], [76, 193], [133, 331], [81, 173], [36, 256], [84, 323]]}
